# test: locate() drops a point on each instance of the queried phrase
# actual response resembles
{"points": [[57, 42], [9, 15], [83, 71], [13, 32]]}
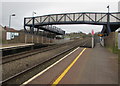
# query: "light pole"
{"points": [[33, 27], [10, 23], [10, 19], [108, 19], [33, 13], [108, 8]]}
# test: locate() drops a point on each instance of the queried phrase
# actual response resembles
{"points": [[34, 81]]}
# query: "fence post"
{"points": [[118, 39], [92, 41]]}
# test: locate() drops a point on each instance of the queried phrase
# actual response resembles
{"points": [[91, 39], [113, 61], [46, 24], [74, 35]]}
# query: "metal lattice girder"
{"points": [[52, 29], [49, 28], [73, 18], [86, 17]]}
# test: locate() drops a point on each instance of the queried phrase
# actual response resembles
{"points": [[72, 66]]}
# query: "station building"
{"points": [[11, 35]]}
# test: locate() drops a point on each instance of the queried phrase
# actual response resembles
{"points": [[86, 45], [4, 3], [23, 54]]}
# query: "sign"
{"points": [[100, 35], [92, 32], [8, 36], [11, 35]]}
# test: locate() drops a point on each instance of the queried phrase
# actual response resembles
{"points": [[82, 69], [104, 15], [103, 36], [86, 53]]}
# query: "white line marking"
{"points": [[48, 68], [16, 46]]}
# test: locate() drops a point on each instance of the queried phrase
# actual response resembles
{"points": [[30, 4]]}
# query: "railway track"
{"points": [[52, 60], [21, 55], [17, 56]]}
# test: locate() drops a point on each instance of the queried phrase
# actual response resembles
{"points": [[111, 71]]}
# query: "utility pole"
{"points": [[10, 24]]}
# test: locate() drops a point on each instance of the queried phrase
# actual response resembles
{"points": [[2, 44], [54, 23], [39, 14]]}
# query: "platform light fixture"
{"points": [[108, 8], [10, 18], [33, 13]]}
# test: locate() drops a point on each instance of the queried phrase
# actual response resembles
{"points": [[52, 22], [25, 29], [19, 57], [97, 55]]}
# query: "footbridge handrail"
{"points": [[97, 18], [74, 18]]}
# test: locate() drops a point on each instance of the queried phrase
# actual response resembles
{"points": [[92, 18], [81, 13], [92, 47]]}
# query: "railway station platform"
{"points": [[4, 46], [9, 49], [81, 66]]}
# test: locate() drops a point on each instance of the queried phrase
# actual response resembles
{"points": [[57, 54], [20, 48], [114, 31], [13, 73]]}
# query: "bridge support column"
{"points": [[108, 23], [108, 29], [118, 39], [32, 30]]}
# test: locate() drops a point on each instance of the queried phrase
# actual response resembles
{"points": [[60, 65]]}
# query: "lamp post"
{"points": [[108, 19], [33, 27], [33, 14], [10, 19], [108, 8], [10, 24]]}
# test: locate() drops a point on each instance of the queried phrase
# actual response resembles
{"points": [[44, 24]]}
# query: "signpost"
{"points": [[92, 38]]}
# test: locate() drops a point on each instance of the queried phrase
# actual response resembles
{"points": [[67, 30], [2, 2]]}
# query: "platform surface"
{"points": [[94, 66]]}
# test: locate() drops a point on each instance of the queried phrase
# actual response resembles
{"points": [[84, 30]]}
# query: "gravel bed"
{"points": [[14, 67]]}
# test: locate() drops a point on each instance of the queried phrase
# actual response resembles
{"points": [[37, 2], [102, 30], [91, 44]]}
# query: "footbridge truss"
{"points": [[110, 21]]}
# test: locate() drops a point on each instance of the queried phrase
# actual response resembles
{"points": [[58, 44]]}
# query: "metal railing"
{"points": [[48, 28], [74, 18]]}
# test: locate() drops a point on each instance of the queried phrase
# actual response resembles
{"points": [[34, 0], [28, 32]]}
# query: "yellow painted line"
{"points": [[67, 69], [26, 82]]}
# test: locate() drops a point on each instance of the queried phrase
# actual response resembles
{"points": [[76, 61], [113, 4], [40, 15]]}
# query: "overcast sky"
{"points": [[23, 8]]}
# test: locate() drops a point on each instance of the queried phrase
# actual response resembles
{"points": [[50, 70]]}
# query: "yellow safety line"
{"points": [[67, 69]]}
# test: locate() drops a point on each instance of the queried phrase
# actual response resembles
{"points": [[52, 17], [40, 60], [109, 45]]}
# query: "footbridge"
{"points": [[110, 21]]}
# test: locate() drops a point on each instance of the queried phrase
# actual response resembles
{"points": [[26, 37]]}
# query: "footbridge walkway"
{"points": [[110, 21]]}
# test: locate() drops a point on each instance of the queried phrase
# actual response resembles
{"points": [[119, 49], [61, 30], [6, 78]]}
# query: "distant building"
{"points": [[11, 35], [10, 29], [8, 34]]}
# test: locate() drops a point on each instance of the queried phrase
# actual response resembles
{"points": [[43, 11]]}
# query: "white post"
{"points": [[92, 41], [102, 41]]}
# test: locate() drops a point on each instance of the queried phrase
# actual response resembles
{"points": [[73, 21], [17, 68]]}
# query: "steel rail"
{"points": [[22, 55], [47, 60]]}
